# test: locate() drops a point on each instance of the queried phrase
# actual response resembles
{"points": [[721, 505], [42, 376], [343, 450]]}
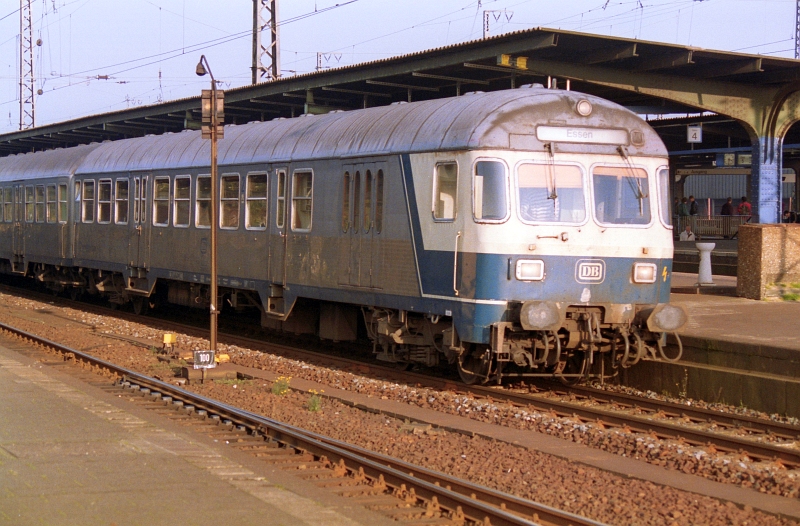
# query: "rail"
{"points": [[462, 499]]}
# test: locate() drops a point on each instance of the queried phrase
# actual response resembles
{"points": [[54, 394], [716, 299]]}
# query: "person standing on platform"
{"points": [[727, 208], [693, 209], [687, 234], [683, 208], [745, 209]]}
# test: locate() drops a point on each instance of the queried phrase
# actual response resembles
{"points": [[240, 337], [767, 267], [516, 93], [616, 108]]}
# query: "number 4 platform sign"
{"points": [[694, 134], [204, 360]]}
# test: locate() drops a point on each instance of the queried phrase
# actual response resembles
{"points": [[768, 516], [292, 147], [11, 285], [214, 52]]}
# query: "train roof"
{"points": [[50, 163], [494, 120]]}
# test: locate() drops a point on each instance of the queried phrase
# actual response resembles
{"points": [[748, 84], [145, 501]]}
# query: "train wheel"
{"points": [[474, 365], [74, 293], [139, 305]]}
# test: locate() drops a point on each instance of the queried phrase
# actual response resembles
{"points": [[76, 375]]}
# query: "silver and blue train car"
{"points": [[514, 233]]}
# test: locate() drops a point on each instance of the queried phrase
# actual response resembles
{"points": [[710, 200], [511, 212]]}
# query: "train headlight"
{"points": [[644, 273], [530, 270], [666, 318], [584, 107]]}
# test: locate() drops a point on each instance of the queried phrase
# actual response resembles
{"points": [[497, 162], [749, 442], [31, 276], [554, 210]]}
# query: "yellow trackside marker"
{"points": [[665, 274]]}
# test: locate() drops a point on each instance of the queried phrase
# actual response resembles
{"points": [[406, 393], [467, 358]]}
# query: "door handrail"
{"points": [[455, 264]]}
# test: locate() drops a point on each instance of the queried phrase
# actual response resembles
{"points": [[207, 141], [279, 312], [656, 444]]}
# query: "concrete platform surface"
{"points": [[738, 320], [72, 454]]}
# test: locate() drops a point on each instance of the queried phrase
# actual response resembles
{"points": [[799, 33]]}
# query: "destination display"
{"points": [[581, 135]]}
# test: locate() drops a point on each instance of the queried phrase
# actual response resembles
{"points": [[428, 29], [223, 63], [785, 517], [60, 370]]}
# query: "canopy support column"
{"points": [[766, 180]]}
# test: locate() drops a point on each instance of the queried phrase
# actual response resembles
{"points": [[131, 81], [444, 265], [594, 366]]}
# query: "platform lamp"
{"points": [[212, 102]]}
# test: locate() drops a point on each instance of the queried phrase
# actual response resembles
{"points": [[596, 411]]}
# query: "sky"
{"points": [[98, 56]]}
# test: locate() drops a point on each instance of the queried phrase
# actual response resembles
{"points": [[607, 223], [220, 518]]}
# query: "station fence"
{"points": [[710, 226]]}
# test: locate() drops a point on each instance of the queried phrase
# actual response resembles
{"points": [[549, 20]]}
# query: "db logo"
{"points": [[590, 271]]}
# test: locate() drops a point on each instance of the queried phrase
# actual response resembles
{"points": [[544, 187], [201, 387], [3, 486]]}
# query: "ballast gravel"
{"points": [[530, 474]]}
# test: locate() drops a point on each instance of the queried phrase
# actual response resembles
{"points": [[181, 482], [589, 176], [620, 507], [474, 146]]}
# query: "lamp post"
{"points": [[212, 105]]}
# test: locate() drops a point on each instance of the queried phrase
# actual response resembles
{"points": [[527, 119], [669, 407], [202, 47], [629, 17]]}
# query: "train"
{"points": [[507, 234]]}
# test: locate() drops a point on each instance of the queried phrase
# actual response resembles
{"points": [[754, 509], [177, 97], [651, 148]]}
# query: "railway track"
{"points": [[759, 439], [403, 491]]}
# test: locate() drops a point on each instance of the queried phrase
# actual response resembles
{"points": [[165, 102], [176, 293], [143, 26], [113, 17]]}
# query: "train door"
{"points": [[376, 237], [448, 222], [139, 230], [18, 237], [354, 239], [370, 258], [62, 204], [360, 255], [346, 199], [278, 234]]}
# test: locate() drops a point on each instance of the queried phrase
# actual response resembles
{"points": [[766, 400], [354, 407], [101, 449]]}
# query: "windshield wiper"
{"points": [[551, 172], [634, 182]]}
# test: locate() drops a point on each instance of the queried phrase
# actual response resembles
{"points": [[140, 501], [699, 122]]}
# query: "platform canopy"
{"points": [[750, 99]]}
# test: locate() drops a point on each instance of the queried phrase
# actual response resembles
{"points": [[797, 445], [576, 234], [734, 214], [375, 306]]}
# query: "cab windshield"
{"points": [[550, 193], [621, 195]]}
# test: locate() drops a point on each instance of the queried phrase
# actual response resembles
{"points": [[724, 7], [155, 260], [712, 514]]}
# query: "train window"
{"points": [[136, 191], [19, 203], [143, 200], [663, 196], [346, 202], [367, 201], [182, 204], [202, 206], [280, 209], [29, 204], [489, 201], [62, 203], [229, 201], [88, 201], [40, 204], [77, 196], [161, 201], [256, 201], [121, 202], [52, 204], [550, 193], [302, 200], [8, 210], [104, 201], [621, 195], [445, 186], [356, 201], [379, 202]]}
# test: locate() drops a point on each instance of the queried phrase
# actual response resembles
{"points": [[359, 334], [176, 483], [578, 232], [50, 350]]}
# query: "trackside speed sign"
{"points": [[204, 359]]}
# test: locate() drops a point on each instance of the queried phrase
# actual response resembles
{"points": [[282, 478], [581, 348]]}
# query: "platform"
{"points": [[71, 453], [736, 351]]}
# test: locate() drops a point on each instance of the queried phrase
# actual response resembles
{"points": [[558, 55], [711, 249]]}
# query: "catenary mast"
{"points": [[26, 80]]}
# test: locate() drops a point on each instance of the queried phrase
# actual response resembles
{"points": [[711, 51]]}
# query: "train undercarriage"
{"points": [[582, 347], [571, 343]]}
